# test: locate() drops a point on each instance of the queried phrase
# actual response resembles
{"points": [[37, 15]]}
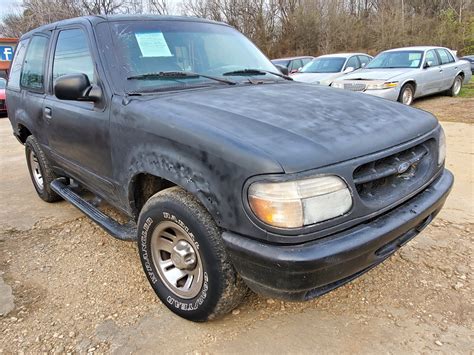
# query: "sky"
{"points": [[7, 5]]}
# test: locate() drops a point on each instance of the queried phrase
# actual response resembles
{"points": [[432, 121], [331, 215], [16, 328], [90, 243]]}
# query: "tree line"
{"points": [[290, 27]]}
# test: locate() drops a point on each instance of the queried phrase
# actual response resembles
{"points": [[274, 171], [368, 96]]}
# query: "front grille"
{"points": [[354, 86], [386, 180]]}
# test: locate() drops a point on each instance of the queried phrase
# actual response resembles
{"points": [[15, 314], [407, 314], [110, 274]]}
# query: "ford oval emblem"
{"points": [[403, 167]]}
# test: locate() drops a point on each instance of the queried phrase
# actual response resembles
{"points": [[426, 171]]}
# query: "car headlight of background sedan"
{"points": [[382, 85], [295, 204], [337, 85]]}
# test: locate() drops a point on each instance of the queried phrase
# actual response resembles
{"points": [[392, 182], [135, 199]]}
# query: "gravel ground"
{"points": [[77, 290]]}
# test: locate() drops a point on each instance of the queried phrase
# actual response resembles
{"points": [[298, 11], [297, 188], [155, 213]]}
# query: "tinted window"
{"points": [[363, 60], [353, 62], [432, 57], [445, 56], [32, 75], [72, 55], [15, 70]]}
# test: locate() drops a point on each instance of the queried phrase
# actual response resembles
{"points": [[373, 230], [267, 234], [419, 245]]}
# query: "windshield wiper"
{"points": [[165, 75], [255, 72]]}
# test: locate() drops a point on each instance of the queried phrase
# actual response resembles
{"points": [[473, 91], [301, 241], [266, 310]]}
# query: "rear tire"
{"points": [[456, 87], [184, 259], [40, 170], [407, 94]]}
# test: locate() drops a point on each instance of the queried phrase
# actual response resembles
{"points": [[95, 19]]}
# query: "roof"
{"points": [[102, 18], [338, 55], [293, 58], [414, 48]]}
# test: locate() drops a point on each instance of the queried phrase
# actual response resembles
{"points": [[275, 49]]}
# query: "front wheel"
{"points": [[184, 258], [407, 94], [456, 87]]}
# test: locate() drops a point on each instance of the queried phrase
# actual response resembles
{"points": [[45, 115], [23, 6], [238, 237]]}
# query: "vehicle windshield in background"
{"points": [[3, 83], [153, 47], [324, 65], [396, 59]]}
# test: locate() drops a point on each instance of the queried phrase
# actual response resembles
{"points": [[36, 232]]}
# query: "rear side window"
{"points": [[15, 69], [445, 56], [363, 60], [72, 55], [353, 62], [32, 75]]}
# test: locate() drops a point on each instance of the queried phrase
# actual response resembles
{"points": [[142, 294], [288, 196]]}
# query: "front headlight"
{"points": [[294, 204], [382, 85], [337, 85], [441, 147]]}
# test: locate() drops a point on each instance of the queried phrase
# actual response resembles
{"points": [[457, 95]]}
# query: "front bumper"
{"points": [[389, 94], [304, 271]]}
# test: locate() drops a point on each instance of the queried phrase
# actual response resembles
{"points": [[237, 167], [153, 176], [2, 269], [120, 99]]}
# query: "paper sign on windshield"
{"points": [[153, 44]]}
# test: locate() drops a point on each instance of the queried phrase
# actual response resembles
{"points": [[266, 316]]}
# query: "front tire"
{"points": [[456, 87], [184, 258], [40, 171], [407, 94]]}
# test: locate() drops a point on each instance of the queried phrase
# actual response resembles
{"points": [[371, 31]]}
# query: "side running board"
{"points": [[126, 231]]}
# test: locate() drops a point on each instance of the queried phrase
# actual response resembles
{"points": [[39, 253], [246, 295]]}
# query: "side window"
{"points": [[296, 64], [353, 62], [445, 56], [15, 69], [364, 60], [72, 55], [432, 57], [32, 74]]}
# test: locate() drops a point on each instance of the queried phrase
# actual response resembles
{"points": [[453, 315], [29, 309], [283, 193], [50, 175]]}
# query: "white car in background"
{"points": [[404, 74], [323, 70]]}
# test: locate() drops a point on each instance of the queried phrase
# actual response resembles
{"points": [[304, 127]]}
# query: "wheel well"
{"points": [[412, 83], [23, 133], [461, 74], [143, 186]]}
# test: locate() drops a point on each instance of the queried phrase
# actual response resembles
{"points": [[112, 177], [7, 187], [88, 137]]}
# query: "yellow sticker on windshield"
{"points": [[153, 44]]}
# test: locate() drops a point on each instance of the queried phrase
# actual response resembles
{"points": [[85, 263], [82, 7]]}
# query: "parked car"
{"points": [[404, 74], [232, 175], [470, 59], [324, 69], [3, 105], [292, 63]]}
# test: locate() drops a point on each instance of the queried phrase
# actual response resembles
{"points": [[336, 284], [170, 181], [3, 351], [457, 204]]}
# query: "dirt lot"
{"points": [[76, 289]]}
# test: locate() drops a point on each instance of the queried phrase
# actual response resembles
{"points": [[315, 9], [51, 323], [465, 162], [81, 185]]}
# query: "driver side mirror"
{"points": [[76, 87], [348, 70], [428, 64], [282, 69]]}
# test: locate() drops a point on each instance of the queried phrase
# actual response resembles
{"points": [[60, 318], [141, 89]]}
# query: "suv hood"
{"points": [[376, 74], [300, 126]]}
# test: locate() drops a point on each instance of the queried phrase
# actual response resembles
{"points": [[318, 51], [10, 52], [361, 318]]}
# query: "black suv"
{"points": [[231, 174]]}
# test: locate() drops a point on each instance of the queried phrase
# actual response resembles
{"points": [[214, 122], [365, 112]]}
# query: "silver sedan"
{"points": [[405, 74]]}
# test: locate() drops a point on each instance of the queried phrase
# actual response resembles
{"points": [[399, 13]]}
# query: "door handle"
{"points": [[48, 113]]}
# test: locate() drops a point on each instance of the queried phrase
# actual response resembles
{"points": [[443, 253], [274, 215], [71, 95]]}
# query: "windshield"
{"points": [[397, 59], [144, 47], [324, 65], [3, 83]]}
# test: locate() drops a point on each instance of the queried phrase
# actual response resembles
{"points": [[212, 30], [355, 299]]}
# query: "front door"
{"points": [[78, 131]]}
